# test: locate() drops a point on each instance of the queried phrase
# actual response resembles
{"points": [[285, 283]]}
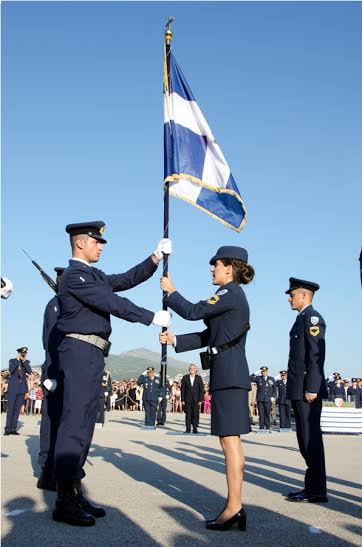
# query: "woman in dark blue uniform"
{"points": [[226, 316]]}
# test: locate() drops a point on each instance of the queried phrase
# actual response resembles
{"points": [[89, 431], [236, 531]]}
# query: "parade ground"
{"points": [[159, 485]]}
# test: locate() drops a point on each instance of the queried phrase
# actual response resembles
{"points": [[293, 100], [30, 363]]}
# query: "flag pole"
{"points": [[168, 38]]}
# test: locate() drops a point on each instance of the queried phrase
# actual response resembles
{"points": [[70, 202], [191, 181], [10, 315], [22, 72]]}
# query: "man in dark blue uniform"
{"points": [[162, 405], [306, 387], [152, 395], [282, 401], [265, 391], [106, 390], [337, 390], [52, 389], [17, 387], [87, 301], [358, 394], [352, 390], [331, 385]]}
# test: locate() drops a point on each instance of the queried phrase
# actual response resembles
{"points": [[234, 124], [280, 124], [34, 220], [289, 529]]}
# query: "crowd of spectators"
{"points": [[127, 395]]}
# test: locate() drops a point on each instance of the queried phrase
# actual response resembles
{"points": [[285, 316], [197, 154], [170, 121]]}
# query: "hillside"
{"points": [[132, 363]]}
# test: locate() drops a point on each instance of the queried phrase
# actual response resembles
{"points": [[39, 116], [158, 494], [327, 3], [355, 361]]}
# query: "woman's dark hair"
{"points": [[243, 273]]}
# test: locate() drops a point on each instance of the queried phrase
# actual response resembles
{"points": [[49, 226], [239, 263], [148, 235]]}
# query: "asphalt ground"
{"points": [[158, 486]]}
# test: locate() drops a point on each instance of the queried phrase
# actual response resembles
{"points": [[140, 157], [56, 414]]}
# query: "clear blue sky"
{"points": [[82, 118]]}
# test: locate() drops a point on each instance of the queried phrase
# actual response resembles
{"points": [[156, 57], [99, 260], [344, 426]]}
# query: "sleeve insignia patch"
{"points": [[314, 331], [314, 320], [213, 299], [220, 293]]}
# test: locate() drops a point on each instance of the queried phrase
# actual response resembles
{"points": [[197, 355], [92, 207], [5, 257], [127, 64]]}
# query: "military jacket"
{"points": [[281, 392], [52, 338], [225, 314], [17, 379], [151, 388], [306, 356], [265, 388], [87, 298]]}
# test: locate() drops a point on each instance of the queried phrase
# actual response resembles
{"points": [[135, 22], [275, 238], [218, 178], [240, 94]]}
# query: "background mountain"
{"points": [[132, 363]]}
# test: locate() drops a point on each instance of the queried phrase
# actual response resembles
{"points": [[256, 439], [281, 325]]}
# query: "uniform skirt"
{"points": [[230, 412]]}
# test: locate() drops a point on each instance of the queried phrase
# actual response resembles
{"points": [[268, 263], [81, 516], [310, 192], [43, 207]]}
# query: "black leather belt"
{"points": [[222, 347]]}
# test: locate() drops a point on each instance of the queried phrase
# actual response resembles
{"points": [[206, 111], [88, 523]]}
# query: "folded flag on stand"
{"points": [[195, 167]]}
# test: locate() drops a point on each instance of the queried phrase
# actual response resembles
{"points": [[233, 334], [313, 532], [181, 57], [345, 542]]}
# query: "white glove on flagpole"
{"points": [[162, 318], [164, 247], [50, 385], [7, 289]]}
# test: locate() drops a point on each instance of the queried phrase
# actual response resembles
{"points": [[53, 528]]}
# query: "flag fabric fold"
{"points": [[194, 165]]}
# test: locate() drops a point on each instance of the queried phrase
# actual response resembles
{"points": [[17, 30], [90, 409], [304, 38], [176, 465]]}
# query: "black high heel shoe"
{"points": [[239, 518]]}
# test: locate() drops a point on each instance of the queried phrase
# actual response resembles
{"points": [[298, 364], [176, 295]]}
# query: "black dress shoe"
{"points": [[14, 433], [293, 494], [239, 519], [68, 510], [195, 431], [7, 432], [308, 498], [46, 480], [93, 510]]}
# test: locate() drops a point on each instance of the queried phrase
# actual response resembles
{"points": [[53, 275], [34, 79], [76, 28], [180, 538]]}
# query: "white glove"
{"points": [[159, 399], [106, 393], [164, 247], [272, 399], [50, 385], [7, 289], [167, 397], [162, 318]]}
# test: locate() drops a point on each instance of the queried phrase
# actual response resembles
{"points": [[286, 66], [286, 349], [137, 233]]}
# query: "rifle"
{"points": [[44, 275]]}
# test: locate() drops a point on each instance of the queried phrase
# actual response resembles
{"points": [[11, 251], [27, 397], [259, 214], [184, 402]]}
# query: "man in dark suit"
{"points": [[192, 395], [282, 401], [306, 388], [17, 387]]}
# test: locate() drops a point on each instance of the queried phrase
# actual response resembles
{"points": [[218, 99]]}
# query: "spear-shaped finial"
{"points": [[168, 32]]}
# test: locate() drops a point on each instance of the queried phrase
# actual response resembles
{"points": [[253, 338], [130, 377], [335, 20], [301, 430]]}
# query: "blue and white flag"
{"points": [[195, 167]]}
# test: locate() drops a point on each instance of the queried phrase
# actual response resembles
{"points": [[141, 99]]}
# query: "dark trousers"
{"points": [[192, 411], [15, 402], [81, 368], [150, 412], [100, 416], [51, 411], [309, 435], [264, 414], [284, 415], [161, 414]]}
